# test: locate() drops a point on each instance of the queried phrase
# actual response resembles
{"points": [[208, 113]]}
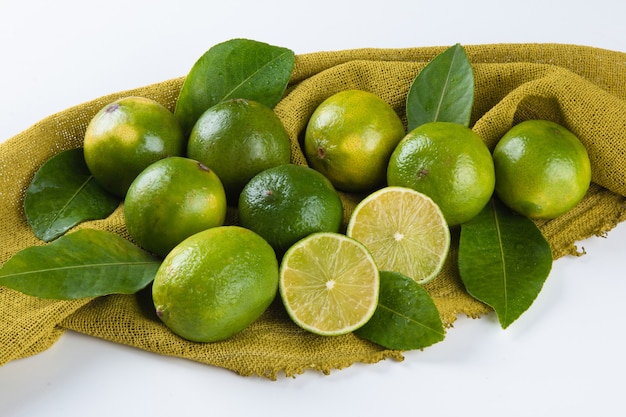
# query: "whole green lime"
{"points": [[349, 138], [215, 283], [237, 139], [287, 203], [126, 136], [449, 163], [542, 169], [171, 200]]}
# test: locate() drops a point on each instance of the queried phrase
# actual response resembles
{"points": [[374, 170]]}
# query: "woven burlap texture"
{"points": [[581, 87]]}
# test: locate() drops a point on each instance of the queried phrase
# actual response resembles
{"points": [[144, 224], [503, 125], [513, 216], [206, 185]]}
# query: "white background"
{"points": [[565, 356]]}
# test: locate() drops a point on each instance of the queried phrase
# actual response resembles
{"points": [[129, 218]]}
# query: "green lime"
{"points": [[288, 202], [542, 169], [238, 139], [449, 163], [350, 137], [171, 200], [126, 136], [215, 283]]}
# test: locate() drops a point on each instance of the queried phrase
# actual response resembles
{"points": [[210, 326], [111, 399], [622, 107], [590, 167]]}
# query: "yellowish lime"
{"points": [[126, 136], [404, 230], [329, 284], [350, 137], [542, 169]]}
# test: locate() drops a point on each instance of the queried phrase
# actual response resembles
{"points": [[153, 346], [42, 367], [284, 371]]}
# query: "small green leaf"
{"points": [[443, 91], [406, 317], [62, 194], [85, 263], [238, 68], [504, 260]]}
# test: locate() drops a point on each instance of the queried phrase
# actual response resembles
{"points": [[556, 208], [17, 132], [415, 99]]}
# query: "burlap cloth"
{"points": [[580, 87]]}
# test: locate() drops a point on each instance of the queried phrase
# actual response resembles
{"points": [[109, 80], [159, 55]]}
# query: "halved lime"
{"points": [[404, 230], [329, 284]]}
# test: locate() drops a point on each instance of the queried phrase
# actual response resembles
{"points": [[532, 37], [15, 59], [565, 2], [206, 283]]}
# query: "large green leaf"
{"points": [[62, 194], [443, 91], [406, 316], [82, 264], [238, 68], [504, 260]]}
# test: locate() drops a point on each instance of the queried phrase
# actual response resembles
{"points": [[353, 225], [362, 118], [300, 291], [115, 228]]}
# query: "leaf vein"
{"points": [[76, 267], [444, 90], [395, 312], [231, 93], [502, 260], [69, 201]]}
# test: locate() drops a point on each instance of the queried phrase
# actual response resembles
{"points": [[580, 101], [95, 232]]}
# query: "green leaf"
{"points": [[443, 91], [504, 260], [85, 263], [62, 194], [238, 68], [406, 317]]}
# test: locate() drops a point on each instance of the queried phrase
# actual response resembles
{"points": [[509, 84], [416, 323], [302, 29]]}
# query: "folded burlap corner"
{"points": [[580, 87]]}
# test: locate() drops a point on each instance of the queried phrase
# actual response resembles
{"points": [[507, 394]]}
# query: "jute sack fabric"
{"points": [[580, 87]]}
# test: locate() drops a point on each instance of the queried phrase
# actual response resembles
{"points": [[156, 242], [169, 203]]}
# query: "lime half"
{"points": [[404, 230], [329, 284]]}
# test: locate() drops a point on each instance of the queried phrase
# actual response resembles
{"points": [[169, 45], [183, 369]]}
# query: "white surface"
{"points": [[565, 356]]}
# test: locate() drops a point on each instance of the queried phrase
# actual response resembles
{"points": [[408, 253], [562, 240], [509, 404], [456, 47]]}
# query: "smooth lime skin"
{"points": [[238, 139], [171, 200], [287, 203], [542, 169], [449, 163], [126, 136], [349, 138], [215, 283]]}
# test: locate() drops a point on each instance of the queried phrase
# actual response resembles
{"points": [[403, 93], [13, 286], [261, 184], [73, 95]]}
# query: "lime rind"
{"points": [[404, 230], [329, 284]]}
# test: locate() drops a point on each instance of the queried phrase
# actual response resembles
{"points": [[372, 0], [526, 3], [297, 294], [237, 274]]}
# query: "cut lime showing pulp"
{"points": [[404, 230], [329, 284]]}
